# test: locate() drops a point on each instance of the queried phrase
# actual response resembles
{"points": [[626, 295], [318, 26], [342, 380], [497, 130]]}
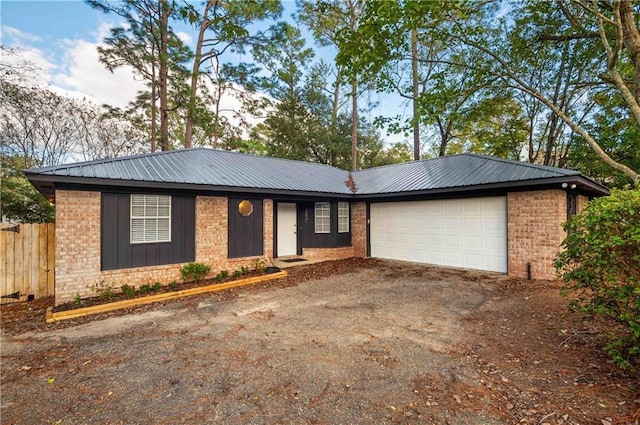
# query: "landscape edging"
{"points": [[52, 316]]}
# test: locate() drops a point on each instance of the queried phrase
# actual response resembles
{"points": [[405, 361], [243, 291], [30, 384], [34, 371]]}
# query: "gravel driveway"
{"points": [[376, 345]]}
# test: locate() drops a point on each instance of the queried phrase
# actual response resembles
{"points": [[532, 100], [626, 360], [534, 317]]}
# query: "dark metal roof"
{"points": [[462, 170], [208, 169]]}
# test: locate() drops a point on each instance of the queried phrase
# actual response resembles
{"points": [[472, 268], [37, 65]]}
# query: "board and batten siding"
{"points": [[246, 233], [308, 238], [117, 252]]}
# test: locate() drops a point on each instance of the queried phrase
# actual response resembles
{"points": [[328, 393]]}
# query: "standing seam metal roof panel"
{"points": [[200, 166]]}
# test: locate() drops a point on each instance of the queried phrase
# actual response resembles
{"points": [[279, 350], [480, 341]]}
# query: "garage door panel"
{"points": [[453, 242], [435, 224], [473, 243], [420, 255], [437, 257], [404, 238], [452, 207], [418, 224], [435, 242], [468, 233]]}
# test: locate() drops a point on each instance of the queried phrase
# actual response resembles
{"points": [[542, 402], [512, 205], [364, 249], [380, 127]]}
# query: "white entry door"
{"points": [[287, 238], [468, 233]]}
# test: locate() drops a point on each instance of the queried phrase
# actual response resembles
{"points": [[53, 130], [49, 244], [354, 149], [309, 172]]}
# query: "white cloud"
{"points": [[82, 73], [18, 37], [72, 67], [184, 37]]}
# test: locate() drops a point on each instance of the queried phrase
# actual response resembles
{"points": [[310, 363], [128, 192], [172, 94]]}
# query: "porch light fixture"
{"points": [[245, 208]]}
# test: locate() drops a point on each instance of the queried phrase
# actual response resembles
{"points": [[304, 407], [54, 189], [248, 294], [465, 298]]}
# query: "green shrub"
{"points": [[237, 273], [194, 271], [145, 289], [219, 277], [244, 270], [259, 265], [224, 274], [173, 285], [156, 286], [128, 290], [104, 290], [600, 267]]}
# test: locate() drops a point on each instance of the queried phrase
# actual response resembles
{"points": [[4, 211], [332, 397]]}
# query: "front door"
{"points": [[287, 238]]}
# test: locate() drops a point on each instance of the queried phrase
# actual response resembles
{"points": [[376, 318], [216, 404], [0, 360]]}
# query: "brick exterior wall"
{"points": [[268, 228], [328, 253], [582, 203], [359, 229], [78, 246], [211, 230], [534, 236], [535, 231]]}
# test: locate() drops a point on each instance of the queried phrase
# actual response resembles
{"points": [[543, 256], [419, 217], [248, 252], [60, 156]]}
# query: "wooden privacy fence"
{"points": [[27, 261]]}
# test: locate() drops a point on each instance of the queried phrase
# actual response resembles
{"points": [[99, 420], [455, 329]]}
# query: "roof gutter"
{"points": [[48, 189], [581, 184], [38, 179]]}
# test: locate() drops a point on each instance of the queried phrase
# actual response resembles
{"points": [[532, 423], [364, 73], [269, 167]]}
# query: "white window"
{"points": [[323, 217], [150, 218], [343, 217]]}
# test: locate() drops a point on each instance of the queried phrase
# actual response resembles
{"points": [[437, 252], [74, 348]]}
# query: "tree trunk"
{"points": [[416, 95], [354, 124], [354, 95], [334, 116], [164, 76], [154, 122], [631, 41], [195, 73], [216, 120]]}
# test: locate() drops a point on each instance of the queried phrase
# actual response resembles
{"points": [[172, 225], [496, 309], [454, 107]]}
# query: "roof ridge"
{"points": [[273, 157], [522, 163], [173, 151], [406, 162]]}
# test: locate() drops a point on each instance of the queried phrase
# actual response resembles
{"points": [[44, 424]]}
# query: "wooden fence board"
{"points": [[42, 261], [27, 258], [27, 251], [51, 258], [3, 262], [11, 263]]}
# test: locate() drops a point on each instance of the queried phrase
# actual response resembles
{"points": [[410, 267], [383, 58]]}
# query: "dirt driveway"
{"points": [[385, 342]]}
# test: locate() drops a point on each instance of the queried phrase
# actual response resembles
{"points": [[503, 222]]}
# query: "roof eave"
{"points": [[46, 185], [582, 183]]}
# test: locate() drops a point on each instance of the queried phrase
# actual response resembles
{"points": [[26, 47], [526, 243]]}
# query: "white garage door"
{"points": [[469, 233]]}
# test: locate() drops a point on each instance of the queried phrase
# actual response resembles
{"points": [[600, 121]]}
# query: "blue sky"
{"points": [[61, 37]]}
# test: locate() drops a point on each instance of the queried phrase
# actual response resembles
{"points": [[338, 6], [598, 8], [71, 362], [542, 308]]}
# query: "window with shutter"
{"points": [[150, 218]]}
